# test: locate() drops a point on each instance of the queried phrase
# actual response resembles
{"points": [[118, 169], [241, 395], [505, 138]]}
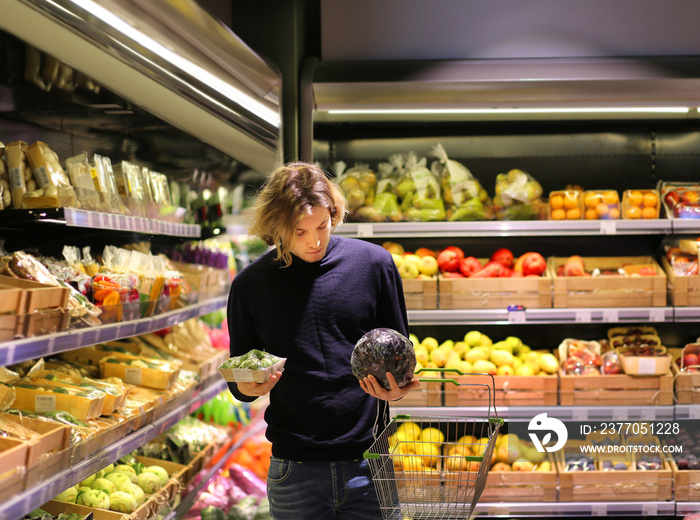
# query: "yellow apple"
{"points": [[505, 370], [428, 265], [398, 259], [410, 257], [408, 270]]}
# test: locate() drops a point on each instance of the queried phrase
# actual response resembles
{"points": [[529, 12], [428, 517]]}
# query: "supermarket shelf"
{"points": [[548, 316], [24, 502], [31, 348], [506, 509], [564, 413], [686, 508], [509, 228], [686, 314], [94, 219], [97, 220], [687, 411]]}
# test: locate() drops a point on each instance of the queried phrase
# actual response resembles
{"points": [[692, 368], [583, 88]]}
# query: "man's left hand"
{"points": [[370, 385]]}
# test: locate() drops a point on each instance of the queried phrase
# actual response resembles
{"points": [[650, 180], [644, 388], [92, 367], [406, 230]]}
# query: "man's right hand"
{"points": [[259, 389]]}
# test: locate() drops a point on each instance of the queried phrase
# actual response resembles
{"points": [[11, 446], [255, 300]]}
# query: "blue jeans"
{"points": [[321, 490]]}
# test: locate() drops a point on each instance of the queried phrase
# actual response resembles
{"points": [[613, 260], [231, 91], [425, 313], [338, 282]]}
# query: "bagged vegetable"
{"points": [[518, 197]]}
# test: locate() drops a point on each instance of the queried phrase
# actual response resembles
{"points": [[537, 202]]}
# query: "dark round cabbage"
{"points": [[384, 350]]}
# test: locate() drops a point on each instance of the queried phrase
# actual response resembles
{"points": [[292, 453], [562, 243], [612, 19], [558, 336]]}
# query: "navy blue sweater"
{"points": [[313, 314]]}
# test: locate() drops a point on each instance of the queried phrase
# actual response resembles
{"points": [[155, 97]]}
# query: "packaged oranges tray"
{"points": [[640, 204], [566, 205], [601, 204]]}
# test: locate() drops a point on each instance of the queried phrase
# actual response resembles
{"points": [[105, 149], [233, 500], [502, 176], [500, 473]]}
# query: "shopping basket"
{"points": [[434, 467]]}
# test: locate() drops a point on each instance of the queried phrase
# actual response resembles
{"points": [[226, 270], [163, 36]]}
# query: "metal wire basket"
{"points": [[433, 467]]}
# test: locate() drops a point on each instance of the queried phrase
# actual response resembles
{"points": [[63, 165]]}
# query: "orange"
{"points": [[558, 214], [571, 200], [650, 199], [614, 212], [602, 209], [591, 199], [611, 197], [591, 214], [648, 212], [573, 214], [635, 198], [556, 201], [633, 212]]}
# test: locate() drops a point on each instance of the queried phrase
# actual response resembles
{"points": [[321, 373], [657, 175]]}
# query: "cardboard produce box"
{"points": [[609, 290]]}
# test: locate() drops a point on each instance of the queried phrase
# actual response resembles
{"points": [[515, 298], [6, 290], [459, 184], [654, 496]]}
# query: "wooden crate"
{"points": [[38, 295], [13, 465], [522, 486], [495, 293], [686, 386], [683, 291], [50, 447], [46, 322], [420, 294], [56, 507], [429, 393], [177, 472], [686, 483], [599, 485], [615, 389], [608, 291], [509, 390]]}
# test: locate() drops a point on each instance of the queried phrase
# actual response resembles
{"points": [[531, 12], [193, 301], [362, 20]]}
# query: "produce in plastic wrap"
{"points": [[358, 184], [518, 197], [20, 171], [419, 192], [580, 357], [383, 350], [51, 187], [464, 196], [247, 480], [386, 205]]}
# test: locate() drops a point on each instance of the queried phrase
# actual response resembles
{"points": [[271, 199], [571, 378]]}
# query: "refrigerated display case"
{"points": [[602, 124], [168, 86]]}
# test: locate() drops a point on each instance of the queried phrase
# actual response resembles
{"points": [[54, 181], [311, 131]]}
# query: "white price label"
{"points": [[649, 509], [657, 314], [517, 317], [620, 414], [91, 219], [693, 412], [45, 403], [583, 316], [599, 510], [365, 230], [608, 227], [133, 376], [610, 315], [648, 414], [579, 414]]}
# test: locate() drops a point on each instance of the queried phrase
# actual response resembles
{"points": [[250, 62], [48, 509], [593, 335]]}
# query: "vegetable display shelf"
{"points": [[31, 348], [188, 501], [24, 502], [97, 220]]}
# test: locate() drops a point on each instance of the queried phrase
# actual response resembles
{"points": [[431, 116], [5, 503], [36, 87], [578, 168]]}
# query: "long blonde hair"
{"points": [[288, 194]]}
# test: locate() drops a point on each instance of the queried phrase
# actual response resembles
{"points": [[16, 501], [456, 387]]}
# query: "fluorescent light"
{"points": [[593, 110], [231, 92]]}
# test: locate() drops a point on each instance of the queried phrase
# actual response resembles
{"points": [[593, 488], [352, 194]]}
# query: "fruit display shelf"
{"points": [[514, 228], [31, 348], [552, 316]]}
